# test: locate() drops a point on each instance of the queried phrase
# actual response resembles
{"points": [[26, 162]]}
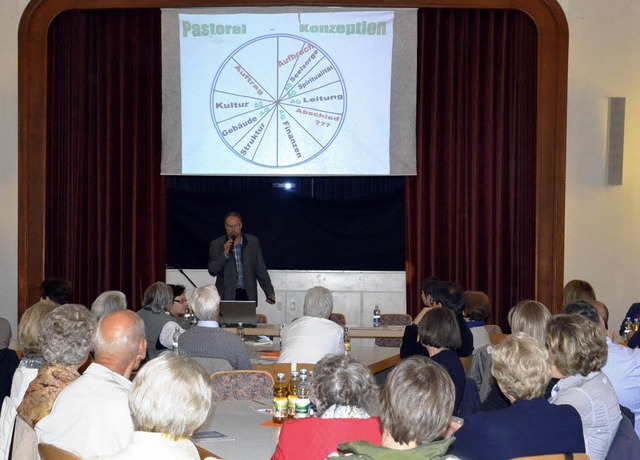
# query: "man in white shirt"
{"points": [[90, 417], [310, 338]]}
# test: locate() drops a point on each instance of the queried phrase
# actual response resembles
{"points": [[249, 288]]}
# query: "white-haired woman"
{"points": [[107, 302], [343, 391], [522, 371], [314, 335], [65, 341], [170, 399]]}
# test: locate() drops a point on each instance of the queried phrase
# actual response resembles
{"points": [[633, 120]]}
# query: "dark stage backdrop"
{"points": [[325, 224]]}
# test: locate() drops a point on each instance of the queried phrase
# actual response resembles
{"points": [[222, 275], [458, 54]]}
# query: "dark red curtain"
{"points": [[105, 213], [471, 208]]}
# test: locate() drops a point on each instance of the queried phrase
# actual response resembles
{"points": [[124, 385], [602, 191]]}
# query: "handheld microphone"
{"points": [[233, 241]]}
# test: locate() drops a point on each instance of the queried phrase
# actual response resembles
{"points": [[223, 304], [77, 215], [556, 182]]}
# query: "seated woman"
{"points": [[8, 359], [159, 324], [522, 370], [577, 352], [577, 290], [528, 316], [170, 399], [65, 340], [440, 335], [477, 309], [436, 293], [415, 412], [310, 338], [343, 391]]}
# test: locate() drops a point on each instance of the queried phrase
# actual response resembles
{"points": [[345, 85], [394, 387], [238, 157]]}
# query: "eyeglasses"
{"points": [[183, 301]]}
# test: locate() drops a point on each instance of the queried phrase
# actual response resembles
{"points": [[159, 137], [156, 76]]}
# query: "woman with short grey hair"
{"points": [[107, 302], [170, 399], [65, 341], [159, 325]]}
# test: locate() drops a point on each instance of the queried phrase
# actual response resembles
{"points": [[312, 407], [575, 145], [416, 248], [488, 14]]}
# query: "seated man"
{"points": [[91, 416], [207, 340], [415, 410], [311, 337], [531, 425]]}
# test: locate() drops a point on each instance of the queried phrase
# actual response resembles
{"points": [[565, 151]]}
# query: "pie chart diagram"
{"points": [[278, 101]]}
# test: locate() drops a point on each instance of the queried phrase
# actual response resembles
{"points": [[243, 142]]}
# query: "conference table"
{"points": [[356, 332]]}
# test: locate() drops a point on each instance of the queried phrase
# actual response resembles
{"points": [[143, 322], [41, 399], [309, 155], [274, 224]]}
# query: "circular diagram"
{"points": [[278, 101]]}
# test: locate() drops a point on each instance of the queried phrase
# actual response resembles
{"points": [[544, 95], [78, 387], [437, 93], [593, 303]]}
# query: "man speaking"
{"points": [[237, 263]]}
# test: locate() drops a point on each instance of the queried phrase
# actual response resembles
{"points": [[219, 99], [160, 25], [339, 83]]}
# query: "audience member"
{"points": [[577, 353], [90, 417], [438, 294], [207, 339], [56, 290], [170, 399], [180, 305], [528, 316], [623, 364], [577, 290], [477, 308], [343, 391], [633, 339], [65, 341], [522, 370], [415, 411], [311, 337], [159, 325], [440, 335], [107, 302], [8, 359]]}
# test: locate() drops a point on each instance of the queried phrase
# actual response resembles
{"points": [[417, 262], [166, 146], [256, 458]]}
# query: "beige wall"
{"points": [[602, 223], [602, 231]]}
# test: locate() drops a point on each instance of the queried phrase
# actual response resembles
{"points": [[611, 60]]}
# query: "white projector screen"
{"points": [[289, 92]]}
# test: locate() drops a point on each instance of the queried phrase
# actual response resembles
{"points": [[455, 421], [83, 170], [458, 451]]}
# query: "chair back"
{"points": [[338, 318], [212, 365], [50, 452], [25, 441], [285, 368], [229, 385], [496, 338], [566, 456], [493, 328], [625, 443], [261, 318], [392, 319]]}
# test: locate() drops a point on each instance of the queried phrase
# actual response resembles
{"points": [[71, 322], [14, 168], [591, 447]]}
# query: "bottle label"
{"points": [[376, 321], [347, 346], [292, 406], [279, 408], [302, 407]]}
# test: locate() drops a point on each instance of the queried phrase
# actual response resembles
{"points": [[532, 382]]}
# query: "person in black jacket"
{"points": [[437, 293]]}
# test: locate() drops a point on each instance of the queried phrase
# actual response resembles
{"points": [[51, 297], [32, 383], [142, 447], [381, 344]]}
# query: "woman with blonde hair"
{"points": [[577, 353]]}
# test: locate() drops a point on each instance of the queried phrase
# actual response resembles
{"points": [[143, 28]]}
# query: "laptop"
{"points": [[233, 312]]}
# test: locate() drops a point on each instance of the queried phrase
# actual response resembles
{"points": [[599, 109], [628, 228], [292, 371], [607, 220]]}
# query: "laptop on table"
{"points": [[233, 312]]}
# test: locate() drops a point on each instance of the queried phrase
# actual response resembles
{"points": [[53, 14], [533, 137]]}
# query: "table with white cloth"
{"points": [[241, 421]]}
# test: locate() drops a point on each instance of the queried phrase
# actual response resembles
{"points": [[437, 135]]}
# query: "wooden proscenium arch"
{"points": [[552, 67]]}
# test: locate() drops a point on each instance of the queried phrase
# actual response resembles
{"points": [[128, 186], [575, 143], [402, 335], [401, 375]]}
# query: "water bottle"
{"points": [[175, 337], [376, 316], [347, 341], [293, 394], [302, 401], [636, 324], [240, 331], [280, 399]]}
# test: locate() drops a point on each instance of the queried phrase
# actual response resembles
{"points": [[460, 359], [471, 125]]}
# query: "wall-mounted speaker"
{"points": [[615, 140]]}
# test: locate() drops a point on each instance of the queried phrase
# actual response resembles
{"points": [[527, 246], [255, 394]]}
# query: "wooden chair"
{"points": [[49, 452], [493, 328], [567, 456], [392, 319], [204, 453], [495, 339], [466, 363], [229, 385], [285, 368], [338, 318], [261, 319]]}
